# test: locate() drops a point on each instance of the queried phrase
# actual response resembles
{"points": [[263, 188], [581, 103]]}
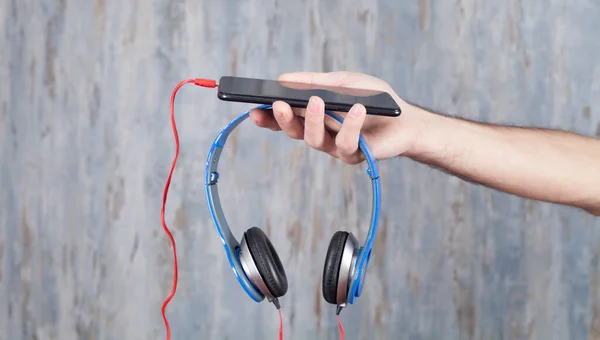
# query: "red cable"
{"points": [[199, 82], [341, 327], [280, 325]]}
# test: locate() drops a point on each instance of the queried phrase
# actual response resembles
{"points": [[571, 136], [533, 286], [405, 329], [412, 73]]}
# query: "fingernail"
{"points": [[355, 112], [276, 110], [313, 105]]}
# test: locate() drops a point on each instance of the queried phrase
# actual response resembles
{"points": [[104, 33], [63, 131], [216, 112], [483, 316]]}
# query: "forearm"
{"points": [[547, 165]]}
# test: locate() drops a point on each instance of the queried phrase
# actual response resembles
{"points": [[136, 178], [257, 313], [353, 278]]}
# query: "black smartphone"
{"points": [[262, 91]]}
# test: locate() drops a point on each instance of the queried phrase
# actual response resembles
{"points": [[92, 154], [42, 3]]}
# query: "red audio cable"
{"points": [[341, 327], [204, 83], [199, 82], [280, 325]]}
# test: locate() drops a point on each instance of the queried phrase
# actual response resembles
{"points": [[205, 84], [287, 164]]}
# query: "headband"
{"points": [[231, 244]]}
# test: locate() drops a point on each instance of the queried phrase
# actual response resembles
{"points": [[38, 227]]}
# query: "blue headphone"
{"points": [[254, 260]]}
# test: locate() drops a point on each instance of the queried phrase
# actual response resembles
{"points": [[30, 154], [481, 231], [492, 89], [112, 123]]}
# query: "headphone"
{"points": [[254, 260]]}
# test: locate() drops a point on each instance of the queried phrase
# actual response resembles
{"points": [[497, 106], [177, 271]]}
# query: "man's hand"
{"points": [[386, 136], [547, 165]]}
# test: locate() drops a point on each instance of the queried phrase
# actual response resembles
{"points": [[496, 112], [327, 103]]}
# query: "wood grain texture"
{"points": [[86, 144]]}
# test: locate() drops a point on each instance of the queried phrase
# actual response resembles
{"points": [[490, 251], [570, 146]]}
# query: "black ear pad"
{"points": [[267, 261], [331, 269]]}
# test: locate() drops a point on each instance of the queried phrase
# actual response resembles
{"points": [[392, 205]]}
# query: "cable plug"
{"points": [[276, 303], [337, 316], [205, 82]]}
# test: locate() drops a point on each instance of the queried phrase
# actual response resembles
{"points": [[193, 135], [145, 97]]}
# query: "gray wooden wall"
{"points": [[86, 145]]}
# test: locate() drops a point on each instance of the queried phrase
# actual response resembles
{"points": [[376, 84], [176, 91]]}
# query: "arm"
{"points": [[547, 165]]}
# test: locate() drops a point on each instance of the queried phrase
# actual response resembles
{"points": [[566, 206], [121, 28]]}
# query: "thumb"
{"points": [[316, 78]]}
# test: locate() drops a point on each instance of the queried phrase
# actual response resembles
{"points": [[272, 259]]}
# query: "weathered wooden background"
{"points": [[86, 145]]}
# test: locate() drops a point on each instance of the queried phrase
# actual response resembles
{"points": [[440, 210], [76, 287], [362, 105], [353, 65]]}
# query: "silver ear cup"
{"points": [[347, 268], [251, 270]]}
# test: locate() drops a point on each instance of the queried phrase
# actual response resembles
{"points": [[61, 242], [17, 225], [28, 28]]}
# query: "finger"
{"points": [[264, 119], [314, 126], [286, 119], [331, 125], [339, 89], [347, 139]]}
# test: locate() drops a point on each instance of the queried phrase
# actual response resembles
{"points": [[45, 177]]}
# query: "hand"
{"points": [[386, 137]]}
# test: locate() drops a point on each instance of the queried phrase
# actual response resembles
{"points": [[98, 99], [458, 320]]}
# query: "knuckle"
{"points": [[351, 160], [348, 149], [295, 134], [292, 133], [346, 160], [314, 144], [344, 145], [339, 141], [260, 122]]}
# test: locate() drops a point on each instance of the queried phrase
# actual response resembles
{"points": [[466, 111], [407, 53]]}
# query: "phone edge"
{"points": [[302, 104]]}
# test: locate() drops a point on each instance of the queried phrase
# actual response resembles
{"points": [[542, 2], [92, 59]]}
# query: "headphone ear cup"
{"points": [[331, 269], [267, 261]]}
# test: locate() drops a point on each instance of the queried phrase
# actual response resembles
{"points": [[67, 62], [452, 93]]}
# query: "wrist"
{"points": [[438, 139], [426, 126]]}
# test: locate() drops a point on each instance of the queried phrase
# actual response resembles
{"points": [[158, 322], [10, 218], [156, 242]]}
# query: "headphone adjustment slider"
{"points": [[371, 175], [214, 177]]}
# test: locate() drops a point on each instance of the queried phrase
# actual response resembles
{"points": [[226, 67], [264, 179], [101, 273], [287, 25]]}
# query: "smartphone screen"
{"points": [[261, 91]]}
